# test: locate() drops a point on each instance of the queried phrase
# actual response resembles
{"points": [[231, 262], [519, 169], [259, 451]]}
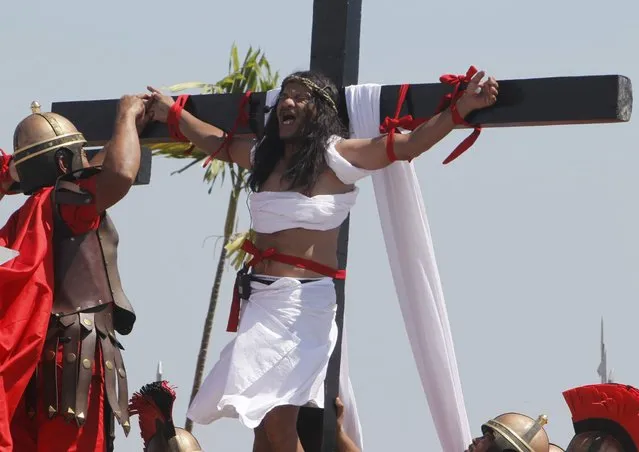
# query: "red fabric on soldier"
{"points": [[26, 284]]}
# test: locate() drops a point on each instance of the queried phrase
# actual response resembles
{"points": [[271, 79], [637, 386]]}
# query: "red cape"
{"points": [[26, 299]]}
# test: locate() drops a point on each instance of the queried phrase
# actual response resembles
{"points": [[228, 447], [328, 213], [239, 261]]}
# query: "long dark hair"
{"points": [[308, 162]]}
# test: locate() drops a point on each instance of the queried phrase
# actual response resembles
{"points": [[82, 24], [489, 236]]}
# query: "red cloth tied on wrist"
{"points": [[456, 81], [468, 141], [5, 173], [241, 120], [390, 125], [451, 99], [173, 118]]}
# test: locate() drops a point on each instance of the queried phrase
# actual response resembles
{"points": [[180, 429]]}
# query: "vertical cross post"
{"points": [[335, 53]]}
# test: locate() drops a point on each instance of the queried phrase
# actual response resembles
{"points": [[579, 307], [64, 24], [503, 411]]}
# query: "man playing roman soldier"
{"points": [[605, 418], [62, 377], [512, 432], [153, 404]]}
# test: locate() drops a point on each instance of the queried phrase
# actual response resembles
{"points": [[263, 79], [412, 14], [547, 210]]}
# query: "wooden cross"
{"points": [[335, 52]]}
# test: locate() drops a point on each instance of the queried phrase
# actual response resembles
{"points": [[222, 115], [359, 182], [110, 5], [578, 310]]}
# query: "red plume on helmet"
{"points": [[611, 408], [154, 406]]}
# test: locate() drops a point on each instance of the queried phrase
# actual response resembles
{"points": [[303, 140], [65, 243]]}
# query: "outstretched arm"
{"points": [[98, 158], [371, 153], [205, 136], [121, 156]]}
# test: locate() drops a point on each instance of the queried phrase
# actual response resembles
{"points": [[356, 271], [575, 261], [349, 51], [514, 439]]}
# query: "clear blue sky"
{"points": [[534, 229]]}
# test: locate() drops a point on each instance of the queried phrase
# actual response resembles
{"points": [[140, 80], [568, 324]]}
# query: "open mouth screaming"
{"points": [[287, 117]]}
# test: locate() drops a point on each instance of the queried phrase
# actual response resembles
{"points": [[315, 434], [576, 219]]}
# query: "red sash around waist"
{"points": [[272, 254]]}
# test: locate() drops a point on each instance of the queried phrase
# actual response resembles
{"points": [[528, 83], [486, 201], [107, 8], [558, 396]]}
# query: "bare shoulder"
{"points": [[365, 153]]}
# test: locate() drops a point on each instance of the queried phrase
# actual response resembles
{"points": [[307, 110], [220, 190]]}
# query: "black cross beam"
{"points": [[143, 177], [548, 101], [523, 102], [335, 52]]}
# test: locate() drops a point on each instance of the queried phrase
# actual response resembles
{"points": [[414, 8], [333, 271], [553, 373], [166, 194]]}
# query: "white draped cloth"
{"points": [[412, 261]]}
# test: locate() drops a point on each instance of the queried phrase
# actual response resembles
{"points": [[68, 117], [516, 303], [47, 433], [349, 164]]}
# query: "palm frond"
{"points": [[253, 73], [234, 252], [187, 85], [176, 150]]}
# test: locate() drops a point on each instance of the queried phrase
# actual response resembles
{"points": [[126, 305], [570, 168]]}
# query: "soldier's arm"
{"points": [[98, 158], [122, 158], [344, 442]]}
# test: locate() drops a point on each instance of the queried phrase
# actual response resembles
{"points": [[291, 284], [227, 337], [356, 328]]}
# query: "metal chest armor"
{"points": [[89, 307]]}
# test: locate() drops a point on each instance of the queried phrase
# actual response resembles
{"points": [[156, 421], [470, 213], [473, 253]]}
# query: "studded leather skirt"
{"points": [[67, 393]]}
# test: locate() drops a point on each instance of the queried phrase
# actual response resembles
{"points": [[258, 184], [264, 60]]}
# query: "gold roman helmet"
{"points": [[35, 142], [183, 441], [555, 448], [515, 431]]}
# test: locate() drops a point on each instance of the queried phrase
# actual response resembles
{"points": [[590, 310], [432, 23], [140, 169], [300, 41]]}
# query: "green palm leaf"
{"points": [[187, 85]]}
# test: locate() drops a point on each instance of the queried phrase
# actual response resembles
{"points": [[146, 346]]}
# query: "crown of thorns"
{"points": [[314, 87]]}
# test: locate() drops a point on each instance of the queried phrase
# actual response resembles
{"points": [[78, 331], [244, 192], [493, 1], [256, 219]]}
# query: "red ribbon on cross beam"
{"points": [[390, 125], [241, 120]]}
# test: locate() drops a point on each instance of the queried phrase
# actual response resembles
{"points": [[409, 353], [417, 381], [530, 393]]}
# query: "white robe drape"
{"points": [[416, 277]]}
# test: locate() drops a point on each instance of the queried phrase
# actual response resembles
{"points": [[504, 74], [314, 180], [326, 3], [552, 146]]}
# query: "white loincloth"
{"points": [[279, 356]]}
